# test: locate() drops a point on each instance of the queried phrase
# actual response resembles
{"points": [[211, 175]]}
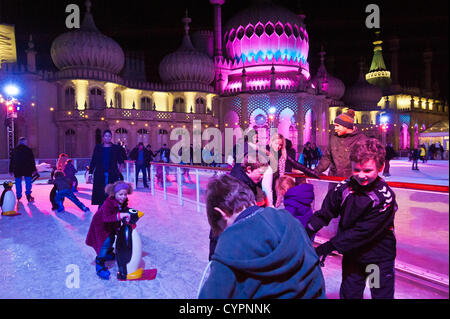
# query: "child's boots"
{"points": [[102, 270]]}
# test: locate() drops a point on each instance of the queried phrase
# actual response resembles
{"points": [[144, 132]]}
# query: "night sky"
{"points": [[156, 28]]}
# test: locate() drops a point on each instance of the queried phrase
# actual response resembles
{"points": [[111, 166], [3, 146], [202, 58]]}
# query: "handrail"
{"points": [[405, 185]]}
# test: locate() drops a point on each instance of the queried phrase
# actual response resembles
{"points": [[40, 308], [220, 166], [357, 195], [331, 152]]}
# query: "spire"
{"points": [[378, 74], [88, 21], [31, 43], [186, 44], [31, 55]]}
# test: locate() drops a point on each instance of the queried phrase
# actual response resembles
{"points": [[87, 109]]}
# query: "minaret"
{"points": [[217, 26], [427, 58], [31, 56], [378, 74]]}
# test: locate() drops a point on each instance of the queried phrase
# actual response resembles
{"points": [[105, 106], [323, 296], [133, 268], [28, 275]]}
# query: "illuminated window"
{"points": [[69, 98], [96, 98], [146, 103], [178, 105], [118, 100]]}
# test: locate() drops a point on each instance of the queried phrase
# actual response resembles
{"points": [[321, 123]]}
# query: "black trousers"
{"points": [[379, 276]]}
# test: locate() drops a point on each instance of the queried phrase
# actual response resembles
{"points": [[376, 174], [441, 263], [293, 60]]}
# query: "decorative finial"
{"points": [[88, 6], [322, 54], [30, 42], [186, 20]]}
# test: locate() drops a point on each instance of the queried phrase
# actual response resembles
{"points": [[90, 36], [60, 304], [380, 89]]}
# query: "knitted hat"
{"points": [[346, 119]]}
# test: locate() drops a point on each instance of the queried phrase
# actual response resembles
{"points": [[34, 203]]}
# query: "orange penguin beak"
{"points": [[140, 214]]}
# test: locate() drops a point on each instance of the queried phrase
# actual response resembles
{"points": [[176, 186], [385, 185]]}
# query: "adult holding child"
{"points": [[105, 166]]}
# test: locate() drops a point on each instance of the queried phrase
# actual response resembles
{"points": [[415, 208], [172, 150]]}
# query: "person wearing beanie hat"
{"points": [[336, 157], [346, 119]]}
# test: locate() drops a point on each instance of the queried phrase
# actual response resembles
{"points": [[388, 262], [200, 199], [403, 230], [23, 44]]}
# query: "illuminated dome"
{"points": [[264, 31], [363, 95], [87, 48], [187, 64], [333, 87]]}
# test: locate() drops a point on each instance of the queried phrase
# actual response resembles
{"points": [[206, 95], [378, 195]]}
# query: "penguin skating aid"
{"points": [[8, 200], [129, 248]]}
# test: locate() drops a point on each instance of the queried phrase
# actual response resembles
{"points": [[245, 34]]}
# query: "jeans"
{"points": [[142, 168], [107, 246], [60, 195], [19, 186]]}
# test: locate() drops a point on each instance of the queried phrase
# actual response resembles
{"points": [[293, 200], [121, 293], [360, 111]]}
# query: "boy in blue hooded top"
{"points": [[261, 252]]}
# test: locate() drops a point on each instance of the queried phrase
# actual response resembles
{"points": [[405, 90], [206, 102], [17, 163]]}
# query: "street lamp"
{"points": [[11, 92], [384, 120]]}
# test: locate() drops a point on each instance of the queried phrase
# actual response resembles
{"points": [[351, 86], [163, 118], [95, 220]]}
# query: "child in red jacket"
{"points": [[106, 223]]}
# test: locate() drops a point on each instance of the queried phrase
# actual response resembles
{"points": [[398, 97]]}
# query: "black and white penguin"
{"points": [[8, 200], [129, 248]]}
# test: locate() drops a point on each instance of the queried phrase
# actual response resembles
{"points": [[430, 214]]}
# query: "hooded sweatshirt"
{"points": [[297, 201], [265, 254]]}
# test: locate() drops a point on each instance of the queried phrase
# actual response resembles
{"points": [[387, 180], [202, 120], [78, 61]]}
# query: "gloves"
{"points": [[303, 168], [325, 249]]}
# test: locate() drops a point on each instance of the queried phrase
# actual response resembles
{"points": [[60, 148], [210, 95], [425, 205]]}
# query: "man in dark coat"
{"points": [[105, 167], [22, 164], [336, 157], [142, 158], [390, 154]]}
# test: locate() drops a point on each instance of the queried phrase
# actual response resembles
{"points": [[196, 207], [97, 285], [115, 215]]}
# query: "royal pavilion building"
{"points": [[250, 72]]}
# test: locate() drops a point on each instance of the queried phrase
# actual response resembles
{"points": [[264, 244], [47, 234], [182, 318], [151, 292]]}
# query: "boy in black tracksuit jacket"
{"points": [[365, 235]]}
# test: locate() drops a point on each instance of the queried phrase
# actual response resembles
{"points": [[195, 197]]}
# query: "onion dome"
{"points": [[332, 86], [87, 48], [264, 31], [363, 95], [187, 64]]}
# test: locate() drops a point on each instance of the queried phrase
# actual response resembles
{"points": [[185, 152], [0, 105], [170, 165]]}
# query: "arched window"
{"points": [[69, 98], [118, 100], [96, 99], [200, 106], [178, 105], [121, 136], [70, 142], [365, 119], [143, 136], [146, 103]]}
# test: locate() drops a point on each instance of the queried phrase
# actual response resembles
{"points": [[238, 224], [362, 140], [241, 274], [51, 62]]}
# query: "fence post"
{"points": [[128, 171], [197, 189], [164, 182], [152, 180], [180, 187]]}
